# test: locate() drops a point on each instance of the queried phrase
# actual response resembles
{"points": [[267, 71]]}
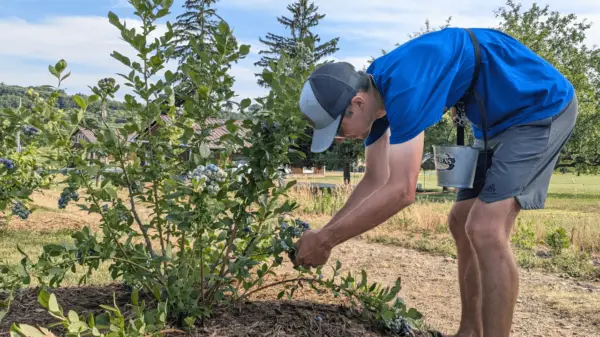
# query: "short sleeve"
{"points": [[378, 129], [413, 110]]}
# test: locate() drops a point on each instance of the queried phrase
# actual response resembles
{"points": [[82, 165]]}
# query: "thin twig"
{"points": [[275, 284], [134, 211]]}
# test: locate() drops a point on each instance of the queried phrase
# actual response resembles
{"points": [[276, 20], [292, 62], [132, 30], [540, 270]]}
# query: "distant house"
{"points": [[83, 135], [218, 131]]}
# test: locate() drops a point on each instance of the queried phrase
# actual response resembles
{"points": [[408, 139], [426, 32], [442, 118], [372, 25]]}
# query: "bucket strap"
{"points": [[472, 93]]}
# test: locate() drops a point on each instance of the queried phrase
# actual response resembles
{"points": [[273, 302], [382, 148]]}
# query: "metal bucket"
{"points": [[455, 165]]}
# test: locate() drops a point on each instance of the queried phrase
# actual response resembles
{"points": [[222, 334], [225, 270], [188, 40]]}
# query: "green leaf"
{"points": [[244, 49], [245, 103], [66, 76], [93, 99], [224, 28], [111, 191], [73, 317], [135, 297], [44, 298], [204, 150], [91, 321], [53, 71], [363, 281], [190, 321], [102, 321], [414, 314], [114, 19], [30, 331], [161, 13], [60, 66], [388, 315], [122, 58], [80, 102], [106, 307], [53, 306]]}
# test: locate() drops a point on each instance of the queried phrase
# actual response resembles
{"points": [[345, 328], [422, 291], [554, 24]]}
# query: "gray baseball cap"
{"points": [[324, 99]]}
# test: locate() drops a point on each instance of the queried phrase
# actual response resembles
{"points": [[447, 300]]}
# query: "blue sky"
{"points": [[35, 33]]}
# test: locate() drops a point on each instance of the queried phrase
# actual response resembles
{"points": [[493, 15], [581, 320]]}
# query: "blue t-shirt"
{"points": [[421, 77]]}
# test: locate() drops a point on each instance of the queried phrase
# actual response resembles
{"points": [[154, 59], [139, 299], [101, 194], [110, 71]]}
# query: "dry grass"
{"points": [[423, 226]]}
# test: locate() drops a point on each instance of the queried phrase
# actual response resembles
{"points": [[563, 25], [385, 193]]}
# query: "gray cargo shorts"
{"points": [[521, 160]]}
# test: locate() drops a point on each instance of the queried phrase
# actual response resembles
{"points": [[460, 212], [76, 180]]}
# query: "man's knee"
{"points": [[490, 224], [457, 219]]}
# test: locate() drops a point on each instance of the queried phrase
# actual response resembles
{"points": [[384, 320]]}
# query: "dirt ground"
{"points": [[548, 305]]}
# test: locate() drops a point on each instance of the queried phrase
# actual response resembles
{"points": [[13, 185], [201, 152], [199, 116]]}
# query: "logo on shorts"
{"points": [[491, 188], [444, 162]]}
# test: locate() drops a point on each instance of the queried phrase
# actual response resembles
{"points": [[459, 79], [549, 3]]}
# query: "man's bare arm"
{"points": [[376, 174], [397, 193]]}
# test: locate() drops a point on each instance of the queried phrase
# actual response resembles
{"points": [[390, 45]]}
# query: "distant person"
{"points": [[530, 110], [346, 174]]}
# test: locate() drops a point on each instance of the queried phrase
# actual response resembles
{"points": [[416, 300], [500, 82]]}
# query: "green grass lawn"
{"points": [[565, 186]]}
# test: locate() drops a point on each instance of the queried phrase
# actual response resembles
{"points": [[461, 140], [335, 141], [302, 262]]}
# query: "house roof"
{"points": [[88, 134], [218, 131]]}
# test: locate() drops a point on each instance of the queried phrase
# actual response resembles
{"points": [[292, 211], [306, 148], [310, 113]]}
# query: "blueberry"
{"points": [[283, 225], [20, 210], [8, 164], [319, 318]]}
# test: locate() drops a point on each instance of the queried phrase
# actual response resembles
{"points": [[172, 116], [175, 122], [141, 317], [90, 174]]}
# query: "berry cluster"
{"points": [[8, 164], [123, 217], [265, 127], [401, 327], [29, 130], [209, 178], [294, 232], [90, 252], [20, 210], [66, 196]]}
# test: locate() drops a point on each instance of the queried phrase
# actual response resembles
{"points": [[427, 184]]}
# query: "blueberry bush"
{"points": [[180, 222], [24, 164]]}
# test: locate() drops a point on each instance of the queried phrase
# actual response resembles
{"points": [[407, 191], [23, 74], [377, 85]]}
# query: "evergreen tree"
{"points": [[305, 17], [197, 29], [198, 22]]}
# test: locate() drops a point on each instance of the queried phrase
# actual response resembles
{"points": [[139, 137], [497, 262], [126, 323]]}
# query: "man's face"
{"points": [[360, 115]]}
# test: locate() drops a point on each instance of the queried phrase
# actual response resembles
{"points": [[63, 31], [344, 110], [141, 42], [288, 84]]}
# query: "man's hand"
{"points": [[311, 251]]}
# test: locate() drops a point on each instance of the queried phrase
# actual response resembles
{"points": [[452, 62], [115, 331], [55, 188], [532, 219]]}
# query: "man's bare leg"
{"points": [[489, 227], [468, 272]]}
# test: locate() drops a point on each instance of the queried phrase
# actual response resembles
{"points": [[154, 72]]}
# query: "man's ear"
{"points": [[358, 101]]}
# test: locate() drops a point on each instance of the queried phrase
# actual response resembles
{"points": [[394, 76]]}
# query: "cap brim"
{"points": [[323, 138]]}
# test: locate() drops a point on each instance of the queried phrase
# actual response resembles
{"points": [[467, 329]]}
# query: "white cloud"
{"points": [[86, 43], [385, 22]]}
